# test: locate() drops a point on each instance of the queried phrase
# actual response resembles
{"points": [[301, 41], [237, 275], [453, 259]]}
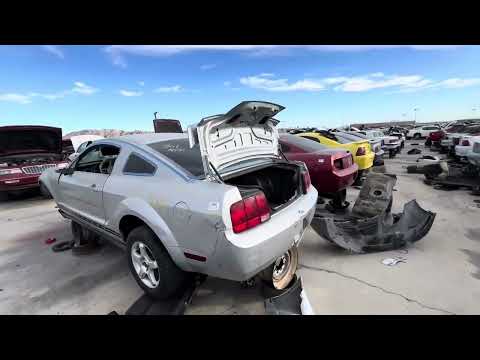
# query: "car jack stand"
{"points": [[176, 305], [338, 203]]}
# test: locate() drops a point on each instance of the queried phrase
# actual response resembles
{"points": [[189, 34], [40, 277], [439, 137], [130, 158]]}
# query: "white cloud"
{"points": [[459, 83], [377, 80], [265, 82], [79, 88], [167, 89], [84, 89], [53, 96], [208, 66], [118, 52], [141, 83], [55, 50], [16, 98], [130, 93]]}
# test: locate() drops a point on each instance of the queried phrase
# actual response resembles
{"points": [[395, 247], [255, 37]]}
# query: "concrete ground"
{"points": [[440, 276]]}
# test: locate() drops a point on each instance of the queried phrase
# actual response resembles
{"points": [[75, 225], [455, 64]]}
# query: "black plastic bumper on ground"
{"points": [[379, 233], [176, 305]]}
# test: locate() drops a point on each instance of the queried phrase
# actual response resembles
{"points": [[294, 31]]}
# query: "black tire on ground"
{"points": [[44, 191], [172, 278], [3, 196], [417, 136], [359, 179], [268, 291]]}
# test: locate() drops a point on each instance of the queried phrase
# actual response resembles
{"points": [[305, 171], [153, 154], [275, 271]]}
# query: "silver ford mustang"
{"points": [[220, 200]]}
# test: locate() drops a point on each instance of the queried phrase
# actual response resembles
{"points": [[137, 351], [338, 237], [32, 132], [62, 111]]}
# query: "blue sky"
{"points": [[120, 87]]}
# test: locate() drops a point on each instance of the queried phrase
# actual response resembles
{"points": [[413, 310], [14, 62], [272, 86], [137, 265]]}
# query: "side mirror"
{"points": [[67, 171]]}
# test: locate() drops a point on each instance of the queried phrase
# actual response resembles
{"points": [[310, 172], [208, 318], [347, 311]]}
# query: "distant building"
{"points": [[384, 124]]}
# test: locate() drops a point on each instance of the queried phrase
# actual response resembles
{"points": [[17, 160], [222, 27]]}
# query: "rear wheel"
{"points": [[280, 274], [151, 265], [417, 136]]}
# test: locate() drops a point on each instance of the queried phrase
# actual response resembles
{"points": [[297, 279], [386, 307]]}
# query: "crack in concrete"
{"points": [[376, 287]]}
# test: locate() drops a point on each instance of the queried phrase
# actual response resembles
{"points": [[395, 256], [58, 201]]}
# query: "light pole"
{"points": [[473, 110], [415, 113]]}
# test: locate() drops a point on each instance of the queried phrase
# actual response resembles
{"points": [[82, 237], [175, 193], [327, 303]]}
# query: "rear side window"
{"points": [[137, 165], [179, 151]]}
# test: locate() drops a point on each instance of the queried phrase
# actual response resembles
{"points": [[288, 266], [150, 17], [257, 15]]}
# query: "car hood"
{"points": [[30, 139], [247, 132]]}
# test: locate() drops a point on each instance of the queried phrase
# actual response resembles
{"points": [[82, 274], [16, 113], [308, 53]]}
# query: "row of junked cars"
{"points": [[230, 197]]}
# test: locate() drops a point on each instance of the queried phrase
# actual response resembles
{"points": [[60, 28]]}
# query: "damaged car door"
{"points": [[81, 185]]}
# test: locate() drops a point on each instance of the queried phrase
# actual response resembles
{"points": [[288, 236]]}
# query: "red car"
{"points": [[26, 151], [331, 170]]}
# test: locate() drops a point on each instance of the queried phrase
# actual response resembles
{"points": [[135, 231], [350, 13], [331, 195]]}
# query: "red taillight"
{"points": [[361, 151], [249, 212], [306, 180], [465, 143]]}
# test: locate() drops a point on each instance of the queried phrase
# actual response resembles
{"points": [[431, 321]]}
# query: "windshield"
{"points": [[179, 151], [304, 144]]}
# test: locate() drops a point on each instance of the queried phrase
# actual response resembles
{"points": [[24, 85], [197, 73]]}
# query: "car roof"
{"points": [[145, 139]]}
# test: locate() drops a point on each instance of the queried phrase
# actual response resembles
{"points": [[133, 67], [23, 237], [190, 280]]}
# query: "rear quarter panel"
{"points": [[186, 215]]}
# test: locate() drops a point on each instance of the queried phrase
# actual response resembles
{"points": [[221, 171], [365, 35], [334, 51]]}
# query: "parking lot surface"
{"points": [[440, 275]]}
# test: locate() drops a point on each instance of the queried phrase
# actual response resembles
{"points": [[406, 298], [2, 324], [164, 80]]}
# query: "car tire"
{"points": [[417, 136], [268, 291], [170, 277], [284, 278], [45, 192]]}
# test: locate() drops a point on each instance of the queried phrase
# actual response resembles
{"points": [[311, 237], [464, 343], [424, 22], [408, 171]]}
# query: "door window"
{"points": [[98, 159]]}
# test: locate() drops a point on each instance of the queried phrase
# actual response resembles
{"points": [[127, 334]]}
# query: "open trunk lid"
{"points": [[245, 133], [30, 139]]}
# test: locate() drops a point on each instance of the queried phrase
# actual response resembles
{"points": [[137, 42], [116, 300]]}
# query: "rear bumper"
{"points": [[335, 181], [19, 183], [364, 161], [239, 257]]}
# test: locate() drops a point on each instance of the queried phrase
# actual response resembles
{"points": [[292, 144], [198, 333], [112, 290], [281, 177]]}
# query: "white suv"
{"points": [[422, 131]]}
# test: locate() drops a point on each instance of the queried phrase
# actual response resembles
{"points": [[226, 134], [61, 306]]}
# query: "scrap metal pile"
{"points": [[370, 225]]}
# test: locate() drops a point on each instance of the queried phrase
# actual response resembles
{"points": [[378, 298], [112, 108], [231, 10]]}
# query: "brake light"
{"points": [[249, 212], [306, 181], [465, 143], [361, 151]]}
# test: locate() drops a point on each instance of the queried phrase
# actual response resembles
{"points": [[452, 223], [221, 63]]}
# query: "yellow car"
{"points": [[361, 150]]}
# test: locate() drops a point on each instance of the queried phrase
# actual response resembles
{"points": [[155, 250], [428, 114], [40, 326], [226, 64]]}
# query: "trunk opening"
{"points": [[281, 184]]}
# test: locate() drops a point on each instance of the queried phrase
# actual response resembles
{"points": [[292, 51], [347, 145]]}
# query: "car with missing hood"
{"points": [[220, 200], [25, 152]]}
